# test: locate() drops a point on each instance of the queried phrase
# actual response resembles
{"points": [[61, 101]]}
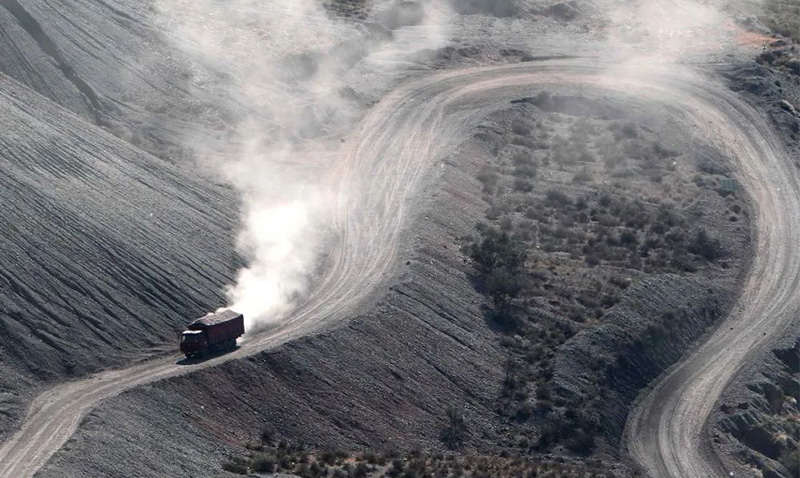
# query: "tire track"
{"points": [[375, 184]]}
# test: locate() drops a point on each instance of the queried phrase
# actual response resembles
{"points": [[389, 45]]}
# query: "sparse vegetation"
{"points": [[416, 464], [782, 16], [500, 259], [581, 204]]}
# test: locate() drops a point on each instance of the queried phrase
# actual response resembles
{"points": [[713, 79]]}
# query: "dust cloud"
{"points": [[279, 67], [660, 33]]}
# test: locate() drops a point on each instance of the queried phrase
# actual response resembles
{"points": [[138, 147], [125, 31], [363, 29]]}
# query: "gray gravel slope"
{"points": [[105, 250], [110, 63], [401, 125]]}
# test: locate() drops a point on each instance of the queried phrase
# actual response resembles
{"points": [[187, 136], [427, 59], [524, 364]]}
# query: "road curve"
{"points": [[665, 432], [380, 170]]}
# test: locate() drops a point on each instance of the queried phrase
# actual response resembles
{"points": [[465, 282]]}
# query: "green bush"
{"points": [[520, 128], [360, 471], [236, 465], [262, 463], [523, 159], [705, 246], [555, 197], [526, 171], [523, 185], [498, 251], [455, 431]]}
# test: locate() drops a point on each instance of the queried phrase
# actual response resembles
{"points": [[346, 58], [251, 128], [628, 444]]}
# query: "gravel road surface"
{"points": [[381, 168]]}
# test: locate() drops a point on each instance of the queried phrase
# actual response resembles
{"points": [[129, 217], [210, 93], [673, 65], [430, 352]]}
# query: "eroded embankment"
{"points": [[757, 420], [660, 320]]}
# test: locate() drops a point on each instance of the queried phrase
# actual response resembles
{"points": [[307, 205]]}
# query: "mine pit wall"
{"points": [[106, 251]]}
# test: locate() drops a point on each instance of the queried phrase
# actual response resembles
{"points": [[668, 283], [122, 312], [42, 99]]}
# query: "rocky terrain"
{"points": [[389, 379], [105, 249], [633, 248], [757, 422]]}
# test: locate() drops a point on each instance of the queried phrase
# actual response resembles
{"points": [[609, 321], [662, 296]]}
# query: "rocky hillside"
{"points": [[111, 64], [758, 423], [385, 379], [106, 249], [393, 377]]}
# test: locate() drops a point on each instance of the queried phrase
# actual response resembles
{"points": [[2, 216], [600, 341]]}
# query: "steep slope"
{"points": [[109, 62], [350, 386], [105, 251], [383, 380]]}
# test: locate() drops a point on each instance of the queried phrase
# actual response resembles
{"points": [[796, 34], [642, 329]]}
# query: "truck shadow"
{"points": [[200, 359]]}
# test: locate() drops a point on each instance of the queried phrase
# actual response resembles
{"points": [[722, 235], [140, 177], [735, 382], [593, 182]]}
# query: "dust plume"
{"points": [[279, 67]]}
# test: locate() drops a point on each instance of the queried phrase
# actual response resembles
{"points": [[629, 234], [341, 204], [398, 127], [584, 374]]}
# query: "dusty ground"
{"points": [[755, 423], [420, 338], [319, 363]]}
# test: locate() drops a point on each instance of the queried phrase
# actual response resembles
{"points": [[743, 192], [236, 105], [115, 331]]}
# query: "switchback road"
{"points": [[381, 168]]}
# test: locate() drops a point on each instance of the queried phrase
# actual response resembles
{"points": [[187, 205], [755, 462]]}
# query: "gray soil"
{"points": [[113, 238], [105, 249], [385, 379]]}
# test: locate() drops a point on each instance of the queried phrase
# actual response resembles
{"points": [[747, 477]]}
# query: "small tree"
{"points": [[499, 258], [455, 432], [503, 286], [498, 250], [236, 465], [263, 463]]}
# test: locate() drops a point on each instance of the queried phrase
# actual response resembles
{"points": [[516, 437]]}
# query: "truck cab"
{"points": [[193, 341]]}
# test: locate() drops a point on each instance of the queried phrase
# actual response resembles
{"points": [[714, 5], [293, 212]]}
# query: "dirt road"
{"points": [[666, 431], [380, 170]]}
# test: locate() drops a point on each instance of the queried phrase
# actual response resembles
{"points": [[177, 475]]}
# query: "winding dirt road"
{"points": [[381, 169], [666, 431]]}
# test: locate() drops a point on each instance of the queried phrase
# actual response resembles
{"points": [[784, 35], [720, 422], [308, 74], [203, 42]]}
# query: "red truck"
{"points": [[212, 333]]}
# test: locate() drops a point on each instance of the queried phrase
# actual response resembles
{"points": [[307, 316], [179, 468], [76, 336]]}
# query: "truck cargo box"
{"points": [[219, 327], [212, 334]]}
